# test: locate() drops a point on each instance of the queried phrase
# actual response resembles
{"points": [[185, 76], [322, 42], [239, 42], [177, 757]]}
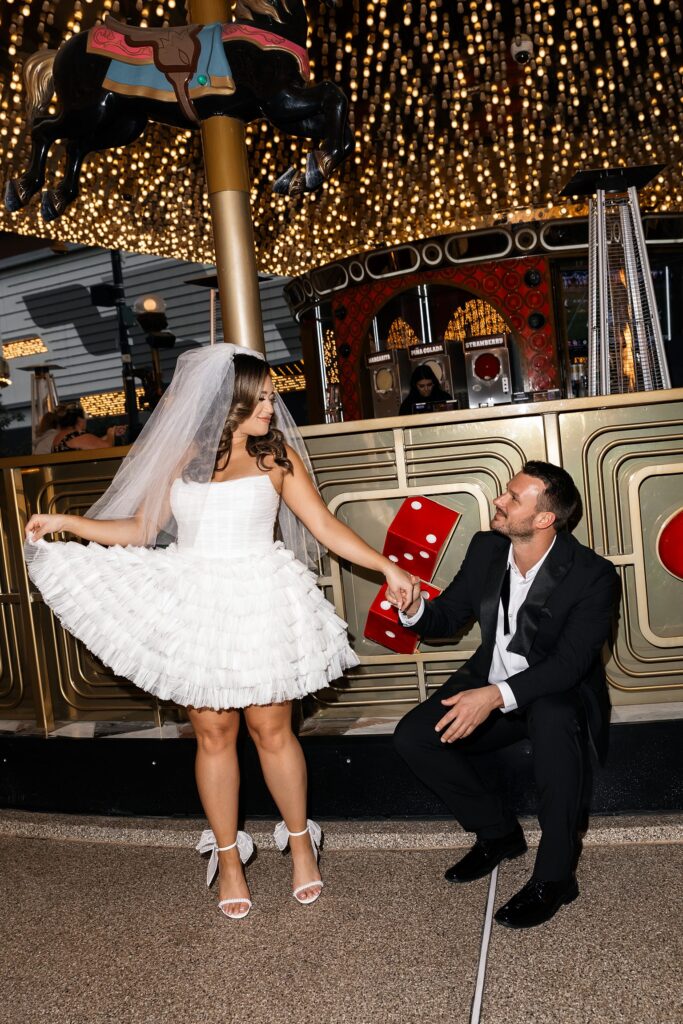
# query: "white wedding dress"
{"points": [[224, 618]]}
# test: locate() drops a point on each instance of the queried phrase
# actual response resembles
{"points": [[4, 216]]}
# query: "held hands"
{"points": [[40, 525], [469, 708], [400, 586]]}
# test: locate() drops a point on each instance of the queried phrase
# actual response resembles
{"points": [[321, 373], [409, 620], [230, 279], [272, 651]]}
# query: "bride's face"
{"points": [[258, 423]]}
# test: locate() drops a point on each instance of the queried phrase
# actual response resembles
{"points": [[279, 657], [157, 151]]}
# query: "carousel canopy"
{"points": [[465, 114]]}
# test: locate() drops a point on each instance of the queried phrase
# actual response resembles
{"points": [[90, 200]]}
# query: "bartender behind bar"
{"points": [[426, 393]]}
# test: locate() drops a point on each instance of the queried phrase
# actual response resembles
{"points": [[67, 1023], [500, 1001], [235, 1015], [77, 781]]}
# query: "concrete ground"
{"points": [[109, 920]]}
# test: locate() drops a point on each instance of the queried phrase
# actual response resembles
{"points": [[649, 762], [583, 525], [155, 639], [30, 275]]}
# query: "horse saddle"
{"points": [[175, 52]]}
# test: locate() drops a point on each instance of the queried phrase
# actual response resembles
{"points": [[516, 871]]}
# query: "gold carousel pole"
{"points": [[227, 179]]}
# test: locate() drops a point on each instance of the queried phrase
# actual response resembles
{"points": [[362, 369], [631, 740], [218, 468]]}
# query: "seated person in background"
{"points": [[424, 387], [71, 431], [47, 429]]}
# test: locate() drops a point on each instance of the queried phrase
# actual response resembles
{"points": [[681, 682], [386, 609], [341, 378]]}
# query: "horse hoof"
{"points": [[49, 209], [281, 186], [314, 174], [13, 197]]}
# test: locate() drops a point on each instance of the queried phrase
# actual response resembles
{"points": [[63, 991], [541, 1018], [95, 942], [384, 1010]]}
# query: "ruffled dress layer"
{"points": [[224, 618]]}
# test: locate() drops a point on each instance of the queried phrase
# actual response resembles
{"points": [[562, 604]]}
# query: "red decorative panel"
{"points": [[499, 282], [670, 545]]}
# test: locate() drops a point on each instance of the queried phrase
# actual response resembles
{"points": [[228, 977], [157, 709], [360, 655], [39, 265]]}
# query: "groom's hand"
{"points": [[468, 709]]}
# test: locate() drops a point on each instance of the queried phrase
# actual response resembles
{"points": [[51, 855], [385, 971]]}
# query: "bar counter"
{"points": [[625, 453]]}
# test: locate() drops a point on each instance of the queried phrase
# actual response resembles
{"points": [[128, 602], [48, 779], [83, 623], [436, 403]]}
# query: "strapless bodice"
{"points": [[225, 519]]}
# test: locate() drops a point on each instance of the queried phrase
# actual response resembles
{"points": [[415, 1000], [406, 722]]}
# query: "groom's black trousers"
{"points": [[464, 774]]}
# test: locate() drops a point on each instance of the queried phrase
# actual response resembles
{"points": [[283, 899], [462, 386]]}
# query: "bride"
{"points": [[223, 617]]}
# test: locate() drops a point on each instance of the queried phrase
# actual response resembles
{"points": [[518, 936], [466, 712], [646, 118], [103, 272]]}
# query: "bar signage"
{"points": [[493, 339], [418, 351], [380, 357]]}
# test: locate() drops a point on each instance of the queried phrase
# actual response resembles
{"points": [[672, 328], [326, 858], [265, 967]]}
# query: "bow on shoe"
{"points": [[281, 835], [207, 844]]}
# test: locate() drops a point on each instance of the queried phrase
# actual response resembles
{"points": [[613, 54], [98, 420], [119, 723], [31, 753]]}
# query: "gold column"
{"points": [[227, 179]]}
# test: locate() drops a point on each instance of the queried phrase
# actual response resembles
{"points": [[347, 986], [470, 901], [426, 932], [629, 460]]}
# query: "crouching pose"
{"points": [[545, 605]]}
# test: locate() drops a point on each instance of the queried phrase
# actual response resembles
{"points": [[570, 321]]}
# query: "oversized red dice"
{"points": [[383, 625], [418, 534]]}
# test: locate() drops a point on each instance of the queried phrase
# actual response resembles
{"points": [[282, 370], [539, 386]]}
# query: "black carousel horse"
{"points": [[90, 118]]}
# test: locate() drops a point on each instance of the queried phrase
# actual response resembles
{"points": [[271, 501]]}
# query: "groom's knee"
{"points": [[414, 732]]}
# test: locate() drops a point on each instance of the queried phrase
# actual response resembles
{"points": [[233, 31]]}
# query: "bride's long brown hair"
{"points": [[250, 375]]}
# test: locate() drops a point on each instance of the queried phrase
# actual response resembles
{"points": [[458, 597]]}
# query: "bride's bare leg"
{"points": [[284, 770], [218, 780]]}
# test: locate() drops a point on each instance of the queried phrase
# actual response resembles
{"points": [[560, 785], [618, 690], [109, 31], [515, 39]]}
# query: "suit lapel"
{"points": [[555, 567], [488, 613]]}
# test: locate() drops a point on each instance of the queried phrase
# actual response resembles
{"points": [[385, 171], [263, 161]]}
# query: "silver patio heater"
{"points": [[625, 346], [43, 393]]}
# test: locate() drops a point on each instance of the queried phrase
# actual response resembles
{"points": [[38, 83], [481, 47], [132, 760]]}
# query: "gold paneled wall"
{"points": [[625, 453]]}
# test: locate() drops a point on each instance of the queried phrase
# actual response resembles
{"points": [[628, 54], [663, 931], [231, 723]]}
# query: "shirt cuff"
{"points": [[509, 702], [406, 621]]}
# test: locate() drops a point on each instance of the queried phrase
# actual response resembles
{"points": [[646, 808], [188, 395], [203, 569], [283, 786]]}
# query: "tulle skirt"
{"points": [[204, 632]]}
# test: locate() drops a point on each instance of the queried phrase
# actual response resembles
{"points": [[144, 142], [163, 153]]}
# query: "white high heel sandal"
{"points": [[245, 847], [281, 836]]}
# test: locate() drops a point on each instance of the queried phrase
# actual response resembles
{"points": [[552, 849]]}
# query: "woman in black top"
{"points": [[424, 387]]}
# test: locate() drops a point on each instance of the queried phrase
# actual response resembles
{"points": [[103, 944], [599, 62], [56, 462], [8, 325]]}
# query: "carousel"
{"points": [[435, 183]]}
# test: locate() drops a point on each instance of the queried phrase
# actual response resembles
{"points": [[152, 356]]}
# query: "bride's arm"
{"points": [[303, 499], [102, 531]]}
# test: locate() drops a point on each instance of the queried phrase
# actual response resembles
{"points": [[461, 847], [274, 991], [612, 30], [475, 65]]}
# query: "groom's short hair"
{"points": [[561, 496]]}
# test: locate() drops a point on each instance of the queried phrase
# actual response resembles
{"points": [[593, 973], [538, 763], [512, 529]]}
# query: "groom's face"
{"points": [[517, 514]]}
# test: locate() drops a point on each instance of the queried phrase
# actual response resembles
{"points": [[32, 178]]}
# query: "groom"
{"points": [[545, 605]]}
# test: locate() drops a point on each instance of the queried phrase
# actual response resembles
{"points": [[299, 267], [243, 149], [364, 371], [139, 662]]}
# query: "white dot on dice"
{"points": [[424, 554], [423, 593], [416, 504], [393, 558], [387, 632], [431, 538], [385, 606], [408, 556]]}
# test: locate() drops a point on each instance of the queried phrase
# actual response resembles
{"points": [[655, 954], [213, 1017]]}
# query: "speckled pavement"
{"points": [[109, 920]]}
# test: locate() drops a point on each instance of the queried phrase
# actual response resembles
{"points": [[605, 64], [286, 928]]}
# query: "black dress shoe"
{"points": [[537, 902], [485, 854]]}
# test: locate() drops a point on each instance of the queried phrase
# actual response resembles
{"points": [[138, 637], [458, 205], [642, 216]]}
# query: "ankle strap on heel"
{"points": [[281, 835], [207, 844]]}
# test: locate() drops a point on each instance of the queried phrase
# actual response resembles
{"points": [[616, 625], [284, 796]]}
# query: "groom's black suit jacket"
{"points": [[561, 627]]}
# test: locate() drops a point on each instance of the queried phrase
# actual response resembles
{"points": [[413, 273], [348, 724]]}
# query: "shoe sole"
{"points": [[475, 878]]}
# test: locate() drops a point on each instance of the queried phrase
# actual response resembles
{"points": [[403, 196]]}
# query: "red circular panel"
{"points": [[510, 280], [540, 341], [491, 283], [539, 362], [513, 300], [517, 321], [670, 545], [486, 366], [534, 299]]}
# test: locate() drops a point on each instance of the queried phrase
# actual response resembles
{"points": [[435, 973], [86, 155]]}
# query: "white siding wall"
{"points": [[47, 295]]}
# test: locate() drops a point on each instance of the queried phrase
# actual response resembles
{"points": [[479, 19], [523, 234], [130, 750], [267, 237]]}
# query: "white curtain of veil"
{"points": [[186, 427]]}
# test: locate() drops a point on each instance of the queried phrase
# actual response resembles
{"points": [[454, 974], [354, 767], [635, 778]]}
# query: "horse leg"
{"points": [[55, 201], [19, 191], [317, 112]]}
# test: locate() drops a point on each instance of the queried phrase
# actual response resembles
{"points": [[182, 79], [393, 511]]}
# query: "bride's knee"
{"points": [[216, 733]]}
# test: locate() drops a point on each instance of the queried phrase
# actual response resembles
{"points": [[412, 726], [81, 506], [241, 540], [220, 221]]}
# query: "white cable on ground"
{"points": [[484, 950]]}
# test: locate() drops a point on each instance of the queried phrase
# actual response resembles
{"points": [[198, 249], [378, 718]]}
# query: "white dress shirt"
{"points": [[504, 663]]}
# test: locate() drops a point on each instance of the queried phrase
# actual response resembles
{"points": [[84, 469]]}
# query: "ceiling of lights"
{"points": [[452, 133]]}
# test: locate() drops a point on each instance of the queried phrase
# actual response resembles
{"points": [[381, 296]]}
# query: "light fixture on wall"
{"points": [[5, 378]]}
